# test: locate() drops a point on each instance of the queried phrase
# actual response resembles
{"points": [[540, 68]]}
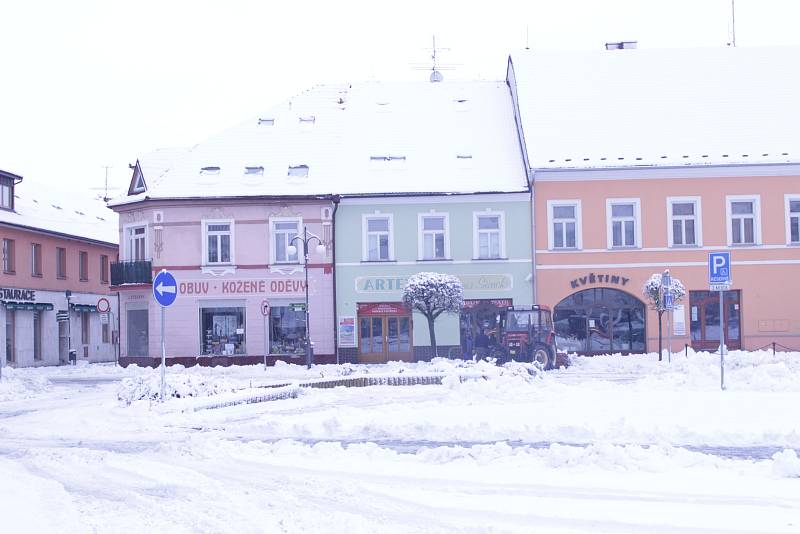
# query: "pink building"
{"points": [[56, 250], [646, 160]]}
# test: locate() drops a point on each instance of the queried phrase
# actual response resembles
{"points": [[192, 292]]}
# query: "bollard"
{"points": [[773, 348], [686, 349]]}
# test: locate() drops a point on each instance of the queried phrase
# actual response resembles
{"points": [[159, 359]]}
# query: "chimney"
{"points": [[621, 45]]}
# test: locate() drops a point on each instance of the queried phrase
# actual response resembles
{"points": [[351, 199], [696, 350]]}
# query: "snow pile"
{"points": [[178, 385], [15, 385], [786, 464]]}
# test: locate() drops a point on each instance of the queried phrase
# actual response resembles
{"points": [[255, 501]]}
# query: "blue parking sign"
{"points": [[719, 268]]}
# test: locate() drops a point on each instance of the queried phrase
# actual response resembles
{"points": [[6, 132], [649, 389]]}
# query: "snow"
{"points": [[610, 444], [355, 145], [74, 212], [650, 107]]}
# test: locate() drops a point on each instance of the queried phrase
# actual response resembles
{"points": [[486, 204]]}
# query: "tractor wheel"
{"points": [[544, 356]]}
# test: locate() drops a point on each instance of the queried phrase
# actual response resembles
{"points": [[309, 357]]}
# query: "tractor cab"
{"points": [[526, 334]]}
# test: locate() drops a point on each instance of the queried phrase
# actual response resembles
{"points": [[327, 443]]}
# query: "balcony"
{"points": [[131, 272]]}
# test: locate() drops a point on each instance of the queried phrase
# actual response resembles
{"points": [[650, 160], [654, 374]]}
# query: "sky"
{"points": [[87, 84]]}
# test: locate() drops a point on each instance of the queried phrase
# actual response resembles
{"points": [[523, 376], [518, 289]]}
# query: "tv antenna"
{"points": [[106, 198], [435, 67], [733, 24]]}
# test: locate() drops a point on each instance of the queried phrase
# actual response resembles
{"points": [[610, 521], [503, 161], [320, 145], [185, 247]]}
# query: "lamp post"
{"points": [[305, 239]]}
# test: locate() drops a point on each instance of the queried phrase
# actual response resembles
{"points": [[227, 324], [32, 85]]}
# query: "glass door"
{"points": [[398, 338], [704, 310], [384, 338]]}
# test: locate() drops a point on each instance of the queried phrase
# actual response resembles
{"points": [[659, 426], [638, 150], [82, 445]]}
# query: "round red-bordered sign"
{"points": [[103, 305], [265, 308]]}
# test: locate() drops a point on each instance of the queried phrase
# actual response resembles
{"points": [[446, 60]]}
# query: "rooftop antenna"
{"points": [[527, 37], [436, 67], [106, 198], [733, 24]]}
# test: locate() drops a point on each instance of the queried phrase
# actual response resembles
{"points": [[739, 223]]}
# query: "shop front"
{"points": [[385, 332], [704, 319]]}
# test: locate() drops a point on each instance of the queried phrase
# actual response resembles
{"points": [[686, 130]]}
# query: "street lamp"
{"points": [[305, 239]]}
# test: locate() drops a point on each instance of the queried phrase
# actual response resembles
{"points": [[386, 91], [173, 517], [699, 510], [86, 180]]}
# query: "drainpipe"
{"points": [[118, 347], [335, 200], [534, 284]]}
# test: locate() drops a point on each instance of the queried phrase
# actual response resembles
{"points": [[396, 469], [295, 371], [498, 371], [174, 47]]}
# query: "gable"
{"points": [[137, 184]]}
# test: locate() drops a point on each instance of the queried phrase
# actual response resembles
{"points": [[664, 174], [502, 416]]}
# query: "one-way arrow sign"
{"points": [[165, 288]]}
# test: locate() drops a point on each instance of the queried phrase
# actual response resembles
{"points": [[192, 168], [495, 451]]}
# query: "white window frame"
{"points": [[698, 221], [126, 231], [421, 235], [7, 193], [476, 236], [272, 250], [637, 223], [756, 200], [787, 220], [551, 240], [365, 240], [205, 224]]}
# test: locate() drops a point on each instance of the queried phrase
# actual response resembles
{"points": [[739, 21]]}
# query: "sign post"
{"points": [[265, 313], [719, 279], [165, 290], [667, 299]]}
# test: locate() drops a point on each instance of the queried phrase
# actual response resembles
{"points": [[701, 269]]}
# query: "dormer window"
{"points": [[209, 170], [298, 171], [309, 119], [7, 181], [266, 122], [254, 170], [387, 162]]}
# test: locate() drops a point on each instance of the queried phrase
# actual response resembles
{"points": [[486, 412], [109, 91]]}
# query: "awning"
{"points": [[90, 308], [29, 306]]}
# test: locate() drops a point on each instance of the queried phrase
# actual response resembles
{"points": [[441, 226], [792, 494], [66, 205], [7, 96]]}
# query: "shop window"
{"points": [[489, 240], [136, 243], [222, 331], [793, 220], [564, 223], [433, 237], [37, 335], [284, 232], [378, 240], [61, 263], [684, 221], [287, 329], [36, 259], [623, 223], [743, 220], [83, 265], [10, 341], [103, 269], [137, 332], [218, 241], [8, 256]]}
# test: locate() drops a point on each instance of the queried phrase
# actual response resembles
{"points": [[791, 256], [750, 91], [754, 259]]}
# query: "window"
{"points": [[6, 194], [743, 220], [287, 329], [283, 232], [489, 241], [684, 221], [37, 335], [83, 265], [8, 256], [136, 243], [218, 241], [85, 328], [434, 242], [378, 240], [793, 219], [36, 259], [222, 330], [10, 345], [623, 223], [61, 262], [103, 268], [564, 223], [104, 332]]}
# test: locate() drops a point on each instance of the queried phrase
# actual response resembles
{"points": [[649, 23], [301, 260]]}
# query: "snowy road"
{"points": [[654, 450]]}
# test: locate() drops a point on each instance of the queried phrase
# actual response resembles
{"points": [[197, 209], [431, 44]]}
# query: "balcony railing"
{"points": [[131, 272]]}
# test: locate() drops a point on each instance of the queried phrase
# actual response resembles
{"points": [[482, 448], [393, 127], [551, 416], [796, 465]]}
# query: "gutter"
{"points": [[335, 199], [534, 274]]}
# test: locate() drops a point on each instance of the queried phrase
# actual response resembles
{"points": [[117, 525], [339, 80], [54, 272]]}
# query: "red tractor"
{"points": [[526, 334]]}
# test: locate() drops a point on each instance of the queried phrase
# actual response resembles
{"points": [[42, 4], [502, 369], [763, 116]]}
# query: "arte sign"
{"points": [[594, 278], [19, 295], [471, 282], [243, 287]]}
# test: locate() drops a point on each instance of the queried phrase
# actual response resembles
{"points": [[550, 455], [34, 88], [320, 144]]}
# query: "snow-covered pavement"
{"points": [[612, 444]]}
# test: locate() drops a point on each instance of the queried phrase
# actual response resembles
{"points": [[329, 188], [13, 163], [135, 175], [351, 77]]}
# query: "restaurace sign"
{"points": [[17, 295], [594, 278]]}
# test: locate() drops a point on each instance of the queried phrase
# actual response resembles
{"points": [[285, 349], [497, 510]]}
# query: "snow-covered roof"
{"points": [[367, 138], [640, 107], [75, 213]]}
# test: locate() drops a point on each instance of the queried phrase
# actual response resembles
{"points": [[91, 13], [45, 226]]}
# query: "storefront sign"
{"points": [[471, 282], [347, 331], [594, 278], [242, 287], [383, 308], [497, 303], [17, 295]]}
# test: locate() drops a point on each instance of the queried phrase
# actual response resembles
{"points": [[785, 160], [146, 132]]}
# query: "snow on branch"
{"points": [[434, 293]]}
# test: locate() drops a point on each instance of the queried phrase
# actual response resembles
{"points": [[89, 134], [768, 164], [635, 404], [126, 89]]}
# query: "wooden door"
{"points": [[704, 320]]}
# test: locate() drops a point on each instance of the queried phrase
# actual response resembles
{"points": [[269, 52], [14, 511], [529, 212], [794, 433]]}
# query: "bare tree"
{"points": [[655, 297], [433, 294]]}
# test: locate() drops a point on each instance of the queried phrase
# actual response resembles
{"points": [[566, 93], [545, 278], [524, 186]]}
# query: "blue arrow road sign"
{"points": [[719, 268], [165, 288]]}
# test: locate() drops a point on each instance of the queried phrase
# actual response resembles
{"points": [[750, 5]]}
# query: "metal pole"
{"points": [[266, 342], [163, 357], [308, 323], [721, 340]]}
